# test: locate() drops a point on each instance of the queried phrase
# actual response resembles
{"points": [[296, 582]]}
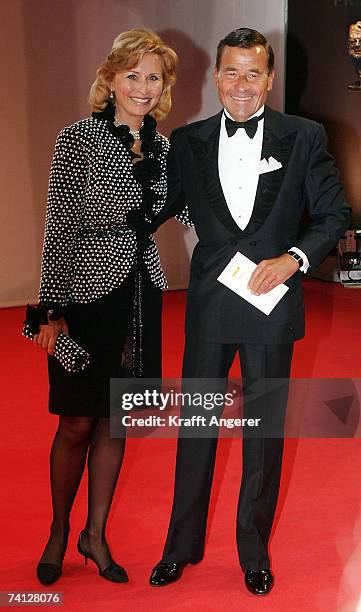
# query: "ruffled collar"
{"points": [[122, 132], [147, 170]]}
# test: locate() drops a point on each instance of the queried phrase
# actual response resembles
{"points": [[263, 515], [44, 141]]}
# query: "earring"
{"points": [[112, 97]]}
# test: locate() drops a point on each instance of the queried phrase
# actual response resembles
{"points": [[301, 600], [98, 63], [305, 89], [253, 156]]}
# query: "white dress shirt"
{"points": [[238, 160], [238, 165]]}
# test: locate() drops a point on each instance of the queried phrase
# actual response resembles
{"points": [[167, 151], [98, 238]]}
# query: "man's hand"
{"points": [[272, 272], [48, 334]]}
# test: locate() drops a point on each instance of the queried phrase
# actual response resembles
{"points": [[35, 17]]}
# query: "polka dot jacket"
{"points": [[88, 250]]}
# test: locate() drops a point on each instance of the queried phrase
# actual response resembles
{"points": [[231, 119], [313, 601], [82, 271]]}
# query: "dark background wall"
{"points": [[318, 70]]}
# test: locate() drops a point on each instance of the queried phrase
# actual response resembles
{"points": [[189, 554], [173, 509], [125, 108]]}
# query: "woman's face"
{"points": [[138, 90]]}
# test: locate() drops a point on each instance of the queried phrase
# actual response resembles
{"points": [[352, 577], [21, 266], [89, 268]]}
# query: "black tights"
{"points": [[75, 439]]}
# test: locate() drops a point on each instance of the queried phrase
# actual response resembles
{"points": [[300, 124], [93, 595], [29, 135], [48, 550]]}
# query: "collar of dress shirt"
{"points": [[257, 114]]}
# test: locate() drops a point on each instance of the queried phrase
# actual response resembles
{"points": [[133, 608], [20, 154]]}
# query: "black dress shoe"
{"points": [[259, 583], [166, 573], [48, 573]]}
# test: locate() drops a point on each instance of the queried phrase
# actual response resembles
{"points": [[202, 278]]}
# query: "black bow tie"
{"points": [[250, 126]]}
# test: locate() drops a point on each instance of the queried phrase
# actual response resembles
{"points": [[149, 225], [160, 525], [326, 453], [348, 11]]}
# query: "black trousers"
{"points": [[262, 456]]}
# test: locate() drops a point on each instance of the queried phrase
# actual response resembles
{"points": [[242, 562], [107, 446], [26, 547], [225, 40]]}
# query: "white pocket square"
{"points": [[269, 165]]}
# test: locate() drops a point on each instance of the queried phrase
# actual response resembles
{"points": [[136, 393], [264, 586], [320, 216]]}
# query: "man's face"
{"points": [[243, 81]]}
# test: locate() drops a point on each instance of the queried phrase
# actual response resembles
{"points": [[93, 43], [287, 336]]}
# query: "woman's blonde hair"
{"points": [[127, 51]]}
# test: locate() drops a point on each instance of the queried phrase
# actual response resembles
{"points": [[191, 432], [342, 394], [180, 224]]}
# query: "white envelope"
{"points": [[236, 275], [268, 165]]}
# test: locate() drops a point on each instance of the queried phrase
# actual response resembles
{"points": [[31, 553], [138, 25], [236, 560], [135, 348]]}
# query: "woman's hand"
{"points": [[48, 334]]}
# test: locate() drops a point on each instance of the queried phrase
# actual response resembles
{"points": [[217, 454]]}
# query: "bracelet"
{"points": [[53, 315]]}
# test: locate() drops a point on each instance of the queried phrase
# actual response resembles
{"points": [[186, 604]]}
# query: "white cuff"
{"points": [[306, 263]]}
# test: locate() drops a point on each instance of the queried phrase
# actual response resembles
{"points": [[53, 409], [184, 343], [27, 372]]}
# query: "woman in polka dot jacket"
{"points": [[100, 281]]}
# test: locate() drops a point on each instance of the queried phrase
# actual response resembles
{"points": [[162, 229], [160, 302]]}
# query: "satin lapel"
{"points": [[279, 146], [204, 145]]}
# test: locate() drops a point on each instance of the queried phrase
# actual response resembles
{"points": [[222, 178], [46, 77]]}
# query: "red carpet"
{"points": [[316, 548]]}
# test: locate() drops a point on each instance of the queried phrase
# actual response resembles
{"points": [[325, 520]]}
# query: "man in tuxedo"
{"points": [[244, 177]]}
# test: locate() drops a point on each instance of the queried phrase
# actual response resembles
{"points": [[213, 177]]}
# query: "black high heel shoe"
{"points": [[114, 572], [48, 573]]}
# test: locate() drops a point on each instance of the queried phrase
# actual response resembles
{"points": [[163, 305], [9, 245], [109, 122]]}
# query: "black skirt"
{"points": [[103, 328]]}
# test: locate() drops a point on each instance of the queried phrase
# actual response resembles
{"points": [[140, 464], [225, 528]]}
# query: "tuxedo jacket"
{"points": [[308, 180]]}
